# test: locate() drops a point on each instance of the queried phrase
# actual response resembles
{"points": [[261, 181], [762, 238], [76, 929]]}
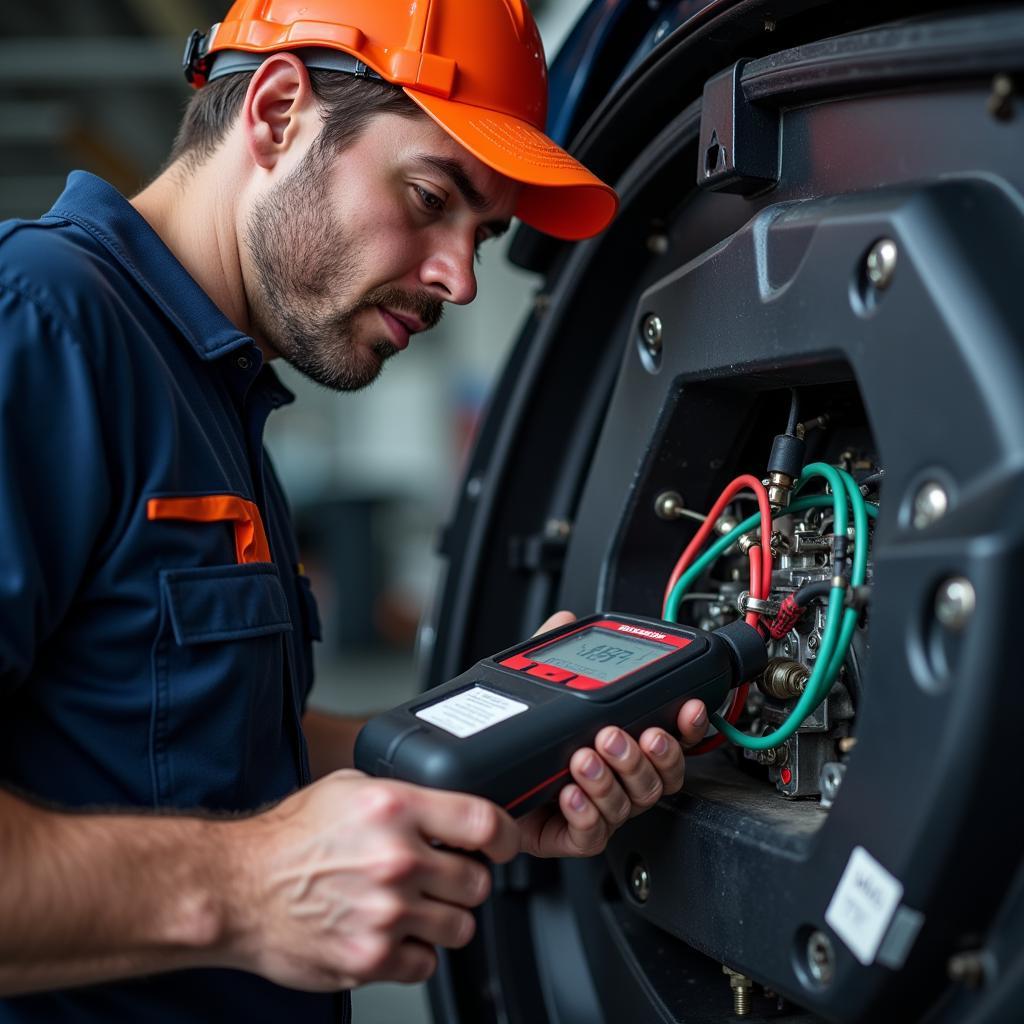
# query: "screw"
{"points": [[846, 744], [557, 529], [769, 24], [881, 263], [967, 968], [830, 781], [474, 487], [1000, 100], [821, 957], [741, 987], [640, 882], [658, 244], [652, 332], [954, 603], [812, 642], [930, 504]]}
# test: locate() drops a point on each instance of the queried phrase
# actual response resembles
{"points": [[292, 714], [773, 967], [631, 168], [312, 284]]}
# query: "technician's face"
{"points": [[354, 254]]}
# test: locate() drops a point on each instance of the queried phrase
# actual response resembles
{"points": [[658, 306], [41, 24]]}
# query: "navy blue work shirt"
{"points": [[146, 660]]}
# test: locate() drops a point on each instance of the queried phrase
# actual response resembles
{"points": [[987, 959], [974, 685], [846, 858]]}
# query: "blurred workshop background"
{"points": [[97, 85]]}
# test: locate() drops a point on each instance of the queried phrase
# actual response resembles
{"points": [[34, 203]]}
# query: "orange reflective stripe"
{"points": [[250, 538]]}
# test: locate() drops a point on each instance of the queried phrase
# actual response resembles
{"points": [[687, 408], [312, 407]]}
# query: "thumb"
{"points": [[562, 618]]}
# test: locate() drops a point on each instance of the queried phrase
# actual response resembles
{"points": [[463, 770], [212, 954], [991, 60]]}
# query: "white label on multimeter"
{"points": [[471, 711]]}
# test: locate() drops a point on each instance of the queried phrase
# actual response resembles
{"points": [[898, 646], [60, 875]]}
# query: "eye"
{"points": [[432, 202]]}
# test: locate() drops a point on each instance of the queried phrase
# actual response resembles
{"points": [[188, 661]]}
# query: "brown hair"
{"points": [[349, 103]]}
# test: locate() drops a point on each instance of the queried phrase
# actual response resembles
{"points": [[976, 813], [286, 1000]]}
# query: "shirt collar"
{"points": [[101, 210]]}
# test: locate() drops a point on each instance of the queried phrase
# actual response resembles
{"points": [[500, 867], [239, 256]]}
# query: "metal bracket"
{"points": [[739, 140]]}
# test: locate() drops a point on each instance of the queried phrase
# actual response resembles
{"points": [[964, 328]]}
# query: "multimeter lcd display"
{"points": [[600, 654]]}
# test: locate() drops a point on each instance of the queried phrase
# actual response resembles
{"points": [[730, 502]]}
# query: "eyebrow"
{"points": [[453, 170]]}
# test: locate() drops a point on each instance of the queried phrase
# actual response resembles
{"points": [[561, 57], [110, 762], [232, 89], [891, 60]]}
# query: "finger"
{"points": [[438, 924], [597, 781], [562, 618], [692, 722], [664, 752], [408, 961], [452, 878], [585, 832], [640, 779], [466, 822]]}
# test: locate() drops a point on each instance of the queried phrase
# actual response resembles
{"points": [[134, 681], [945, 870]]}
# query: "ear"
{"points": [[278, 102]]}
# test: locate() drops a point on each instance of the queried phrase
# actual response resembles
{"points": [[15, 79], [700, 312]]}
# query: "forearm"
{"points": [[93, 897], [331, 740]]}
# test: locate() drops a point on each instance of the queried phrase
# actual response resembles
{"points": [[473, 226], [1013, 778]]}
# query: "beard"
{"points": [[303, 259]]}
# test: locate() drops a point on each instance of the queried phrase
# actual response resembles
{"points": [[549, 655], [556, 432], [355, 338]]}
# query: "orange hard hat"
{"points": [[475, 66]]}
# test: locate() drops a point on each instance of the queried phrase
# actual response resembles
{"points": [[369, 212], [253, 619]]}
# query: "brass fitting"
{"points": [[741, 987], [784, 679]]}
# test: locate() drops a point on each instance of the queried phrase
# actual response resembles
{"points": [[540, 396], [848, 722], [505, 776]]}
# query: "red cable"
{"points": [[760, 582], [744, 482]]}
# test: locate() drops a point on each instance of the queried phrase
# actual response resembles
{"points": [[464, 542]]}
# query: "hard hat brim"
{"points": [[560, 196]]}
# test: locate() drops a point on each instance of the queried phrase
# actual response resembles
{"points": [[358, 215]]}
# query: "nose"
{"points": [[448, 270]]}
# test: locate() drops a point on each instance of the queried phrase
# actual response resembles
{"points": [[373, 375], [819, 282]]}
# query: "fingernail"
{"points": [[701, 718], [616, 746], [659, 745], [577, 801], [592, 768]]}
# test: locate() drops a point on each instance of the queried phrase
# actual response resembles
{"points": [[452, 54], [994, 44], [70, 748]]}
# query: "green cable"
{"points": [[839, 624]]}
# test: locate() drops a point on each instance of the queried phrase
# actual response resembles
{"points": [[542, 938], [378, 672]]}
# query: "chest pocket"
{"points": [[219, 737]]}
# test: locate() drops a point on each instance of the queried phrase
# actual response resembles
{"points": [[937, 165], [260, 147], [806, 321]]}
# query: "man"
{"points": [[330, 184]]}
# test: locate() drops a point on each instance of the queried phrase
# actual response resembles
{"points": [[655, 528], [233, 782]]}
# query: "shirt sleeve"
{"points": [[54, 483]]}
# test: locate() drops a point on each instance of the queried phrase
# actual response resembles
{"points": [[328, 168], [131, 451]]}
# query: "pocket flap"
{"points": [[231, 602]]}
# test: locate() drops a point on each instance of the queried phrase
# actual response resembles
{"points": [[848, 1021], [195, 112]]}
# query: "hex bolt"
{"points": [[1000, 100], [930, 504], [640, 882], [741, 987], [821, 957], [967, 968], [880, 264], [955, 602], [652, 332]]}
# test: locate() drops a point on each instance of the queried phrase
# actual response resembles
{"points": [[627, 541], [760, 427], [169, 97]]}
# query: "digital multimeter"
{"points": [[506, 729]]}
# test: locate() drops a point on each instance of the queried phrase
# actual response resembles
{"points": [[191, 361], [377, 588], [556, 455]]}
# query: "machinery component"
{"points": [[930, 504], [880, 265], [670, 505], [741, 987], [821, 958], [884, 134], [784, 679], [640, 882], [955, 603], [831, 779], [652, 332]]}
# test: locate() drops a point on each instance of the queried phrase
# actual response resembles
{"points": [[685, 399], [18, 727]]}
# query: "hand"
{"points": [[612, 782], [343, 883]]}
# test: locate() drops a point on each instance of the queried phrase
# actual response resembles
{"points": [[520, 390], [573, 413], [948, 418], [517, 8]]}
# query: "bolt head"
{"points": [[955, 602], [930, 504], [881, 263], [640, 882], [821, 957], [652, 332]]}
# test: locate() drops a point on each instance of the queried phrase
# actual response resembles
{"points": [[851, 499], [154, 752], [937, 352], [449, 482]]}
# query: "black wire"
{"points": [[812, 591], [794, 412], [874, 478]]}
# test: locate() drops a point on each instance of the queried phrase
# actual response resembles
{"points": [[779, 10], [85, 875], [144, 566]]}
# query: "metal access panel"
{"points": [[875, 270]]}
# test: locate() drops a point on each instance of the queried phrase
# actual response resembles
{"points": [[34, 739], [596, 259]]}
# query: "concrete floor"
{"points": [[362, 684]]}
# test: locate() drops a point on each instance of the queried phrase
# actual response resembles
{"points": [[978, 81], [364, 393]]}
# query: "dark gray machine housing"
{"points": [[761, 160]]}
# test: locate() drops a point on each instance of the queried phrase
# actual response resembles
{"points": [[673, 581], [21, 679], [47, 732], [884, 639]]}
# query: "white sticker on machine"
{"points": [[471, 711], [863, 904]]}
